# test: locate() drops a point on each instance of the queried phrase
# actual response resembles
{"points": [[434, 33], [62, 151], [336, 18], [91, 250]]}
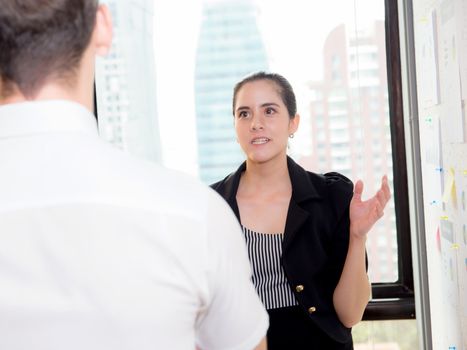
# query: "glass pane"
{"points": [[386, 335], [126, 84], [165, 91]]}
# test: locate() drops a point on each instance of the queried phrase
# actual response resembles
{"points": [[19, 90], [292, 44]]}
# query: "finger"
{"points": [[379, 210], [380, 213], [381, 198], [385, 187], [358, 190]]}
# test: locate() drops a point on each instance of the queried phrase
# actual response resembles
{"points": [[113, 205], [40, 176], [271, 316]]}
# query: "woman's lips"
{"points": [[259, 140]]}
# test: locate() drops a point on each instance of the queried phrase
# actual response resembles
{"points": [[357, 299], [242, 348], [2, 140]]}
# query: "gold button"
{"points": [[311, 310], [299, 288]]}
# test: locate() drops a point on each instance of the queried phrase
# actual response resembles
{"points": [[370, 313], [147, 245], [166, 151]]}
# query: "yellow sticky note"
{"points": [[443, 217], [455, 246], [449, 186]]}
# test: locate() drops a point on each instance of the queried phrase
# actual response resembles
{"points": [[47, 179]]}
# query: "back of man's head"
{"points": [[42, 41]]}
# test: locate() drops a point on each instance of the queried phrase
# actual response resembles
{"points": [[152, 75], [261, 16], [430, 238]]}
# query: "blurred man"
{"points": [[99, 250]]}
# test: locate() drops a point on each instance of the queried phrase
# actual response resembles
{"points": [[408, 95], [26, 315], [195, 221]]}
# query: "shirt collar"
{"points": [[38, 117]]}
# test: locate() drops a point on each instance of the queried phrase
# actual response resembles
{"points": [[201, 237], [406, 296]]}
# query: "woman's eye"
{"points": [[270, 110], [242, 114]]}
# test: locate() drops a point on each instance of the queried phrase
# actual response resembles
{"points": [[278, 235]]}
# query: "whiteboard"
{"points": [[440, 37]]}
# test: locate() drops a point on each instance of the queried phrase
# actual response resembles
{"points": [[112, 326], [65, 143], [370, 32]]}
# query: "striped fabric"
{"points": [[264, 251]]}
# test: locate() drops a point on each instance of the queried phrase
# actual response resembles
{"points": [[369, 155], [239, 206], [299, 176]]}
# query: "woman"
{"points": [[305, 232]]}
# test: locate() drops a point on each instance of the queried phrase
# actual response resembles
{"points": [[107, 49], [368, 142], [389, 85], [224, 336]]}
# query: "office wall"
{"points": [[440, 38]]}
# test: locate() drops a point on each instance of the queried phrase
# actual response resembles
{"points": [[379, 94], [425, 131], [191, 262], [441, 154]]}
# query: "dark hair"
{"points": [[285, 90], [42, 40]]}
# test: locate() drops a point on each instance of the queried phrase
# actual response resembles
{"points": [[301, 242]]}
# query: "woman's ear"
{"points": [[103, 32], [293, 124]]}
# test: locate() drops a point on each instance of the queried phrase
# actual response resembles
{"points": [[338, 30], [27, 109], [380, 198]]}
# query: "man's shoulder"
{"points": [[150, 185]]}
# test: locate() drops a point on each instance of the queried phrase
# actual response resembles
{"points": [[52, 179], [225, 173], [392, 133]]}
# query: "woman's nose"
{"points": [[256, 123]]}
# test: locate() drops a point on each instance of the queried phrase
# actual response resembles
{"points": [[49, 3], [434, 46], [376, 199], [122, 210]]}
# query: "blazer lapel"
{"points": [[302, 191], [296, 217], [230, 188]]}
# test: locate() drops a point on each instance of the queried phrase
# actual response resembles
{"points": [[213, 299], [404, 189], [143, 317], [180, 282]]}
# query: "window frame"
{"points": [[395, 300]]}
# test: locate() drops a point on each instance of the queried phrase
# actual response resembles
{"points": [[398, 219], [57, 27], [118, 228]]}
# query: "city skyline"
{"points": [[293, 40]]}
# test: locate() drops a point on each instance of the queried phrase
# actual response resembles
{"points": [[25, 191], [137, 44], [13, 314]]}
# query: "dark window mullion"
{"points": [[396, 300]]}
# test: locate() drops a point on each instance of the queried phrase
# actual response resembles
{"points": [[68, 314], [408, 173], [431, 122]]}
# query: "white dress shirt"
{"points": [[102, 251]]}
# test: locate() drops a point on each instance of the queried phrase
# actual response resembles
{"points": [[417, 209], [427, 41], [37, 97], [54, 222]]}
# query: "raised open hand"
{"points": [[364, 214]]}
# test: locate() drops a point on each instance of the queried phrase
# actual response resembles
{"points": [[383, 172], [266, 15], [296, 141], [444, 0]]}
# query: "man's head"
{"points": [[44, 41]]}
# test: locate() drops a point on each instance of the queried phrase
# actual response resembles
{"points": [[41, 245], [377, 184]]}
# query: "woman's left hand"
{"points": [[364, 214]]}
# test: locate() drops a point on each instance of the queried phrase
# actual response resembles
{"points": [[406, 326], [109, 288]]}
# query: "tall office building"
{"points": [[125, 79], [229, 47], [350, 127]]}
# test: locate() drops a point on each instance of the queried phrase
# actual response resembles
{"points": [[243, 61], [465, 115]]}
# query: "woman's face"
{"points": [[262, 122]]}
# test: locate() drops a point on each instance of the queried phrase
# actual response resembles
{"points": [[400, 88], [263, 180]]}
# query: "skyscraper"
{"points": [[126, 93], [350, 127], [229, 47]]}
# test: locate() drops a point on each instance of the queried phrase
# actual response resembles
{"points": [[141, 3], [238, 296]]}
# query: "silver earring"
{"points": [[291, 136]]}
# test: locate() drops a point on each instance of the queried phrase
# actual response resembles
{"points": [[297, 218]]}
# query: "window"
{"points": [[164, 94]]}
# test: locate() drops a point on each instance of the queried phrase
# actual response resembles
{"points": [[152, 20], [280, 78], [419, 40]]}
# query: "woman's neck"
{"points": [[271, 176]]}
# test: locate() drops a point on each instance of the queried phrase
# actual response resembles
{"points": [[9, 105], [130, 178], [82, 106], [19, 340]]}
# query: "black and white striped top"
{"points": [[265, 251]]}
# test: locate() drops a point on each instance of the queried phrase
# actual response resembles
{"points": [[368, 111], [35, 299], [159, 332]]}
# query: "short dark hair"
{"points": [[42, 40], [284, 88]]}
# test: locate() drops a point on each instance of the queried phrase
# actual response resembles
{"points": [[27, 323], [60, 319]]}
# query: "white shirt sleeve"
{"points": [[235, 318]]}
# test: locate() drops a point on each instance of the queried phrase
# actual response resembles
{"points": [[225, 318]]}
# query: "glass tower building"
{"points": [[229, 47]]}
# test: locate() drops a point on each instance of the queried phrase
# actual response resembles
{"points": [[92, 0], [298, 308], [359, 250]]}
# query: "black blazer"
{"points": [[316, 239]]}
